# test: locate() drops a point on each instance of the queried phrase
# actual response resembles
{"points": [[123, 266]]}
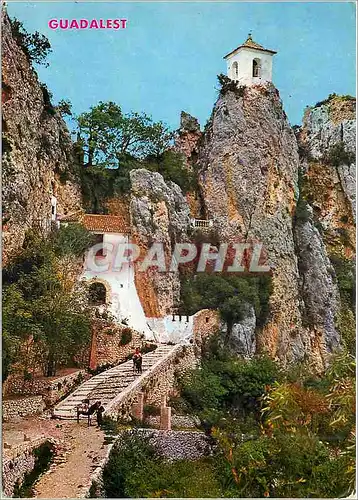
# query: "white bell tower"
{"points": [[250, 63]]}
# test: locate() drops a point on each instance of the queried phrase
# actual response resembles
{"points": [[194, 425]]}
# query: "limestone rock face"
{"points": [[242, 338], [329, 182], [37, 150], [249, 166], [319, 291], [188, 138], [159, 214], [187, 142], [248, 177]]}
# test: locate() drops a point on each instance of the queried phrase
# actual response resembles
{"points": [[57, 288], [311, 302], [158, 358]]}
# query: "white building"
{"points": [[250, 63], [112, 287]]}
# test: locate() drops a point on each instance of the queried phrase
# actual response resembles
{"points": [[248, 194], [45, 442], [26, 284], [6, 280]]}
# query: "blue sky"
{"points": [[168, 57]]}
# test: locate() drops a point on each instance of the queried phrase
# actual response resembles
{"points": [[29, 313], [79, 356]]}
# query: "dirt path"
{"points": [[82, 449]]}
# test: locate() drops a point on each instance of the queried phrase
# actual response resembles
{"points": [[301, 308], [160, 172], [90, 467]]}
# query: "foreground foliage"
{"points": [[134, 470], [277, 433]]}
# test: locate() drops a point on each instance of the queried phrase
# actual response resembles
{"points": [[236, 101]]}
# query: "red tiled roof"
{"points": [[105, 223], [249, 43]]}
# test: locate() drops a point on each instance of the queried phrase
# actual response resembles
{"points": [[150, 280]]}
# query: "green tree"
{"points": [[42, 303], [73, 239], [231, 295], [17, 325], [107, 135], [64, 107]]}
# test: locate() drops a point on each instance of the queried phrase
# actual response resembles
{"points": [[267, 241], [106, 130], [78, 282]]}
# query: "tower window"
{"points": [[256, 67], [235, 71]]}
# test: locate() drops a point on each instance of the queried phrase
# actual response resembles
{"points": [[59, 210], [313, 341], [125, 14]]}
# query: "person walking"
{"points": [[137, 361], [99, 414]]}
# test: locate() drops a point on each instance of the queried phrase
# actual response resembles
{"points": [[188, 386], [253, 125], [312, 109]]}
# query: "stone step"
{"points": [[107, 385]]}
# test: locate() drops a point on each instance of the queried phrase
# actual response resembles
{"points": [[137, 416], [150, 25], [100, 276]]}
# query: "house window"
{"points": [[256, 68]]}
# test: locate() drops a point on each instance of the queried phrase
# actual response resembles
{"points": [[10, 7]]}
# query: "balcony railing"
{"points": [[202, 223]]}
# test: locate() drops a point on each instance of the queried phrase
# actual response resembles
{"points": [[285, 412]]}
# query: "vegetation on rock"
{"points": [[110, 144], [229, 85], [337, 155], [231, 295], [36, 46]]}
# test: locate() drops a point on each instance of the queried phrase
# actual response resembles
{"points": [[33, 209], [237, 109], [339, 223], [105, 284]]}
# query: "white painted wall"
{"points": [[244, 57], [179, 330], [124, 301]]}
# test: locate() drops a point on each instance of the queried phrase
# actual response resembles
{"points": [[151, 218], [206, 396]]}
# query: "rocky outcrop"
{"points": [[327, 212], [318, 288], [159, 214], [249, 173], [249, 181], [242, 338], [188, 138], [37, 147], [187, 142], [327, 149]]}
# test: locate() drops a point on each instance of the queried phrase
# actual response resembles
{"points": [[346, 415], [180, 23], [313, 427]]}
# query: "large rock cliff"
{"points": [[249, 179], [159, 214], [327, 142], [38, 160]]}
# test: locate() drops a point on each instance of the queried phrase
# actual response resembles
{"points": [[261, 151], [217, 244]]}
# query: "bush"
{"points": [[338, 155], [171, 165], [288, 465], [228, 85], [231, 295], [126, 336], [302, 213], [64, 107], [345, 273], [47, 96], [135, 470], [73, 239], [151, 410], [227, 384]]}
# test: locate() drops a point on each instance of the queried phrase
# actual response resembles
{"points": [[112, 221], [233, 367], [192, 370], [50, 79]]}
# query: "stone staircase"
{"points": [[108, 384]]}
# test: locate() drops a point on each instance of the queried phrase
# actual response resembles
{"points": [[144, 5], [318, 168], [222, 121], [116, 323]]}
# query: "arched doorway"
{"points": [[97, 294]]}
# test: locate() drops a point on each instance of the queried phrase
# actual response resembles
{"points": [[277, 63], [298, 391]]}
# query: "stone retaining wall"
{"points": [[107, 347], [19, 461], [182, 422], [51, 389], [22, 407], [179, 445], [159, 381]]}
